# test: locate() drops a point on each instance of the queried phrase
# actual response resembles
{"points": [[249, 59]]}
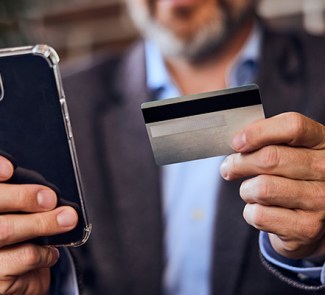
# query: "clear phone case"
{"points": [[35, 131]]}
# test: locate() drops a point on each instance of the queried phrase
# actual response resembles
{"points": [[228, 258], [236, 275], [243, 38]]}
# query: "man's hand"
{"points": [[25, 267], [285, 158]]}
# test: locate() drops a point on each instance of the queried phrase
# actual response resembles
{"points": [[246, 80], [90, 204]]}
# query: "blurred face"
{"points": [[189, 28]]}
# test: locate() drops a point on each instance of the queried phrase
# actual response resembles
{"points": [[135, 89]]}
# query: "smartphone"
{"points": [[35, 131]]}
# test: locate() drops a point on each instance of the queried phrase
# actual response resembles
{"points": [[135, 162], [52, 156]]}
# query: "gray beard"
{"points": [[204, 43], [172, 46]]}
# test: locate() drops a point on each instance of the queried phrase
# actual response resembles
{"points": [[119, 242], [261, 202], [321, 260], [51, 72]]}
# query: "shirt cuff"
{"points": [[304, 269]]}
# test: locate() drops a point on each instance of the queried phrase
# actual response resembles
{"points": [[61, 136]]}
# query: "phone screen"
{"points": [[33, 131]]}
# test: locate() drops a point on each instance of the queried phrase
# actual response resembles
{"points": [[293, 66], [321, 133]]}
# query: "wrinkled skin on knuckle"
{"points": [[319, 193], [21, 197], [285, 246], [317, 165], [5, 230], [312, 228], [45, 224], [297, 127], [290, 249], [314, 199], [31, 257], [308, 235], [33, 283], [42, 277], [11, 286], [252, 132], [297, 250], [268, 158]]}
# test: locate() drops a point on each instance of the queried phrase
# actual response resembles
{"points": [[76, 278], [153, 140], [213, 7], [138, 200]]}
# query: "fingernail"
{"points": [[224, 167], [247, 189], [5, 170], [55, 253], [66, 218], [239, 141], [248, 212], [46, 199]]}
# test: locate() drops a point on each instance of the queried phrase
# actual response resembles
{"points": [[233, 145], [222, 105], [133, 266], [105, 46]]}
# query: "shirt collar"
{"points": [[244, 68], [157, 74]]}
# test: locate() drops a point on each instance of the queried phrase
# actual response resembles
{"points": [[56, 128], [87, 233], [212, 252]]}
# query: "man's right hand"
{"points": [[25, 267]]}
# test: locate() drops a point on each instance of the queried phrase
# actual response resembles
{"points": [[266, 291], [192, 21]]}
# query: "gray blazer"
{"points": [[125, 252]]}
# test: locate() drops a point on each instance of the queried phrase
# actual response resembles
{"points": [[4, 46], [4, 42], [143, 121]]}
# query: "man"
{"points": [[179, 230]]}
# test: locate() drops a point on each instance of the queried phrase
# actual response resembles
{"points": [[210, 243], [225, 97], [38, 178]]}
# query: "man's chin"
{"points": [[195, 47]]}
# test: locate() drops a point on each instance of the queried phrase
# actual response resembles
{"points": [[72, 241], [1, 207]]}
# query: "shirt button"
{"points": [[198, 214], [302, 276]]}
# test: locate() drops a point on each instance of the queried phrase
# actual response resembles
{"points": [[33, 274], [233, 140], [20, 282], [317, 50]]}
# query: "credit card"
{"points": [[201, 125]]}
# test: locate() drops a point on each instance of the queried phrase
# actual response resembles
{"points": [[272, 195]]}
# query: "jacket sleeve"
{"points": [[296, 273]]}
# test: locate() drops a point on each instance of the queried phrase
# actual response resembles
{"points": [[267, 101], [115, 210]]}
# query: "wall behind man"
{"points": [[83, 27], [72, 27]]}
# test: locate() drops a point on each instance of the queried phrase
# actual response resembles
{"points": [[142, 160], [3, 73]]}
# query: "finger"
{"points": [[296, 228], [26, 198], [288, 128], [294, 163], [282, 192], [31, 283], [292, 249], [16, 228], [6, 169], [23, 258], [42, 277]]}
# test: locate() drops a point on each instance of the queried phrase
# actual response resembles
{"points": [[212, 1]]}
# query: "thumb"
{"points": [[291, 129], [6, 169]]}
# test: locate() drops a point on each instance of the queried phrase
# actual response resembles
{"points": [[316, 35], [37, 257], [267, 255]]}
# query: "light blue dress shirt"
{"points": [[189, 190]]}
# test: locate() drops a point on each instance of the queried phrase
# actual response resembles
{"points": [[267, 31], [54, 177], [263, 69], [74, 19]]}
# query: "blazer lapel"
{"points": [[230, 233], [281, 80], [135, 177], [282, 77]]}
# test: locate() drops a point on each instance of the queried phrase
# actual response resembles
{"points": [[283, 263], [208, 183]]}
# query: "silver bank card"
{"points": [[201, 125]]}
